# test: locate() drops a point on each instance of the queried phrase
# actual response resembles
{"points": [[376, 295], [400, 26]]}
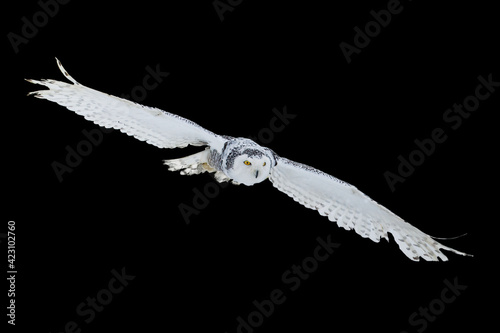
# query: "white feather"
{"points": [[331, 197], [352, 209], [155, 126]]}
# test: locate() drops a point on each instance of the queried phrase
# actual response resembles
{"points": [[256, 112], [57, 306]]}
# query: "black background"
{"points": [[119, 207]]}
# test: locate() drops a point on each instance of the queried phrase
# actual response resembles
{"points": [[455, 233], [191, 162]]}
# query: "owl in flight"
{"points": [[243, 161]]}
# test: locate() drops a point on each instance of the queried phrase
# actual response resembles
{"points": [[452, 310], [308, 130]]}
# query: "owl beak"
{"points": [[256, 173]]}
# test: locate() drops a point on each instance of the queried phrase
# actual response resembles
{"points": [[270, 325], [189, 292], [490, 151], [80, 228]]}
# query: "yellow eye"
{"points": [[264, 164], [247, 163]]}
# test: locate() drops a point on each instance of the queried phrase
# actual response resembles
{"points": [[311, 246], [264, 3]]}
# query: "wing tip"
{"points": [[440, 246], [437, 254], [37, 93], [65, 72], [446, 248], [34, 81]]}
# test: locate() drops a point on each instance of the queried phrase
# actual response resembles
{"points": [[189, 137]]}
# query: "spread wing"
{"points": [[352, 209], [155, 126]]}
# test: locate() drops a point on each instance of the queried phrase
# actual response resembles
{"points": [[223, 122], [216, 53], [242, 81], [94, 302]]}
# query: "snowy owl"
{"points": [[243, 161]]}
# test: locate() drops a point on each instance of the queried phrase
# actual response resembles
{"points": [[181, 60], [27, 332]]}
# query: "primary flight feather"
{"points": [[243, 161]]}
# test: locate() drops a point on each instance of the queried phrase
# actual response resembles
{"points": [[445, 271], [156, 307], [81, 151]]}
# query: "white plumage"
{"points": [[243, 161], [352, 209], [157, 127]]}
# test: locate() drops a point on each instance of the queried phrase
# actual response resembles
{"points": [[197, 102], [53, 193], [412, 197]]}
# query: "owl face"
{"points": [[250, 167]]}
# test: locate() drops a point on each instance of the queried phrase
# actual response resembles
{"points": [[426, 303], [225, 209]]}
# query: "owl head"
{"points": [[251, 165]]}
